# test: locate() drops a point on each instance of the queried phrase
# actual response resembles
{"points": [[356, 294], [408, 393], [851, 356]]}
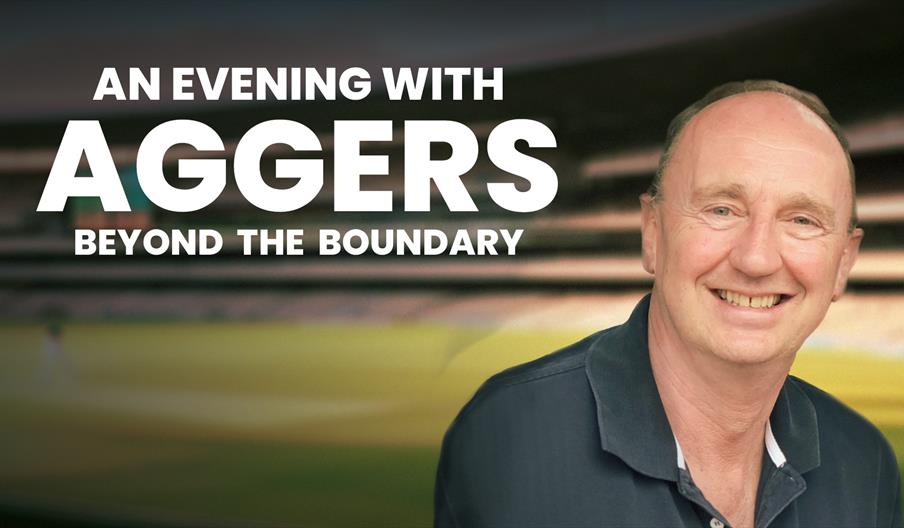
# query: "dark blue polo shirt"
{"points": [[580, 438]]}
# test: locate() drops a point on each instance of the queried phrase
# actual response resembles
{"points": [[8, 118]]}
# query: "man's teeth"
{"points": [[765, 301]]}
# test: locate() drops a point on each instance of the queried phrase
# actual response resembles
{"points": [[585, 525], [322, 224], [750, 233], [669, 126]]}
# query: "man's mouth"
{"points": [[746, 301]]}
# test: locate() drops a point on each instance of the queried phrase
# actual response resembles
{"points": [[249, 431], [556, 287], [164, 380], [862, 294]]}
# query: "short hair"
{"points": [[738, 87]]}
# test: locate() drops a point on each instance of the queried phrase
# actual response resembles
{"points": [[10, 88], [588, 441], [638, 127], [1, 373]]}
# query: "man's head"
{"points": [[749, 226], [739, 87]]}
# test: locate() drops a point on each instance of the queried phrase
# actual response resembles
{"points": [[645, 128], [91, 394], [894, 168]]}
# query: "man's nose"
{"points": [[757, 250]]}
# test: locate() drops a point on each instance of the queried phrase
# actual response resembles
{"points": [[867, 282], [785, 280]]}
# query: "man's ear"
{"points": [[851, 249], [648, 232]]}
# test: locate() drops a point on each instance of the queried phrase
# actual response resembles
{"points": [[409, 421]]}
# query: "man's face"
{"points": [[749, 239]]}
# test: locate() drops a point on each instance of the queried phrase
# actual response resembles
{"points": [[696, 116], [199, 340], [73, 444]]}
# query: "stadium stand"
{"points": [[608, 134]]}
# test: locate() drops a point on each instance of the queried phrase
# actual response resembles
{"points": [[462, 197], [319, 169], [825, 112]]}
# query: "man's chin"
{"points": [[750, 350]]}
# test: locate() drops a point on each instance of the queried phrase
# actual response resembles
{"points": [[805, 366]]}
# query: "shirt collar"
{"points": [[775, 453], [632, 422]]}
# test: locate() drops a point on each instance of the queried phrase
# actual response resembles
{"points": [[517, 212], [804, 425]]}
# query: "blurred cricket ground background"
{"points": [[307, 391], [316, 423]]}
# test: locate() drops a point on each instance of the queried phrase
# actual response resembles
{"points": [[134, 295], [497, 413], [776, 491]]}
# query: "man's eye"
{"points": [[802, 220], [721, 211]]}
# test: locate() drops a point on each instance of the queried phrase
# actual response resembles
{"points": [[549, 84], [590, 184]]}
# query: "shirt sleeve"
{"points": [[443, 517], [889, 504], [896, 521]]}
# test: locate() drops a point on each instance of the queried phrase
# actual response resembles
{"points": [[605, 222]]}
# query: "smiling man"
{"points": [[686, 415]]}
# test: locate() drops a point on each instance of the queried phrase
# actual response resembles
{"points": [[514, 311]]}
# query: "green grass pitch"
{"points": [[290, 424]]}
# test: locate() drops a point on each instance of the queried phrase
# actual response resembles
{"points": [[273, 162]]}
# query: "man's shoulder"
{"points": [[546, 370], [533, 386], [563, 360], [524, 445]]}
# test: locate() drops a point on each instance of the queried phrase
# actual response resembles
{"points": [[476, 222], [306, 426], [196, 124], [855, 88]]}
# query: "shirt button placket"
{"points": [[716, 523]]}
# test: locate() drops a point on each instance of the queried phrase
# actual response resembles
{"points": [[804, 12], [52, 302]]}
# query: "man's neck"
{"points": [[718, 412]]}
